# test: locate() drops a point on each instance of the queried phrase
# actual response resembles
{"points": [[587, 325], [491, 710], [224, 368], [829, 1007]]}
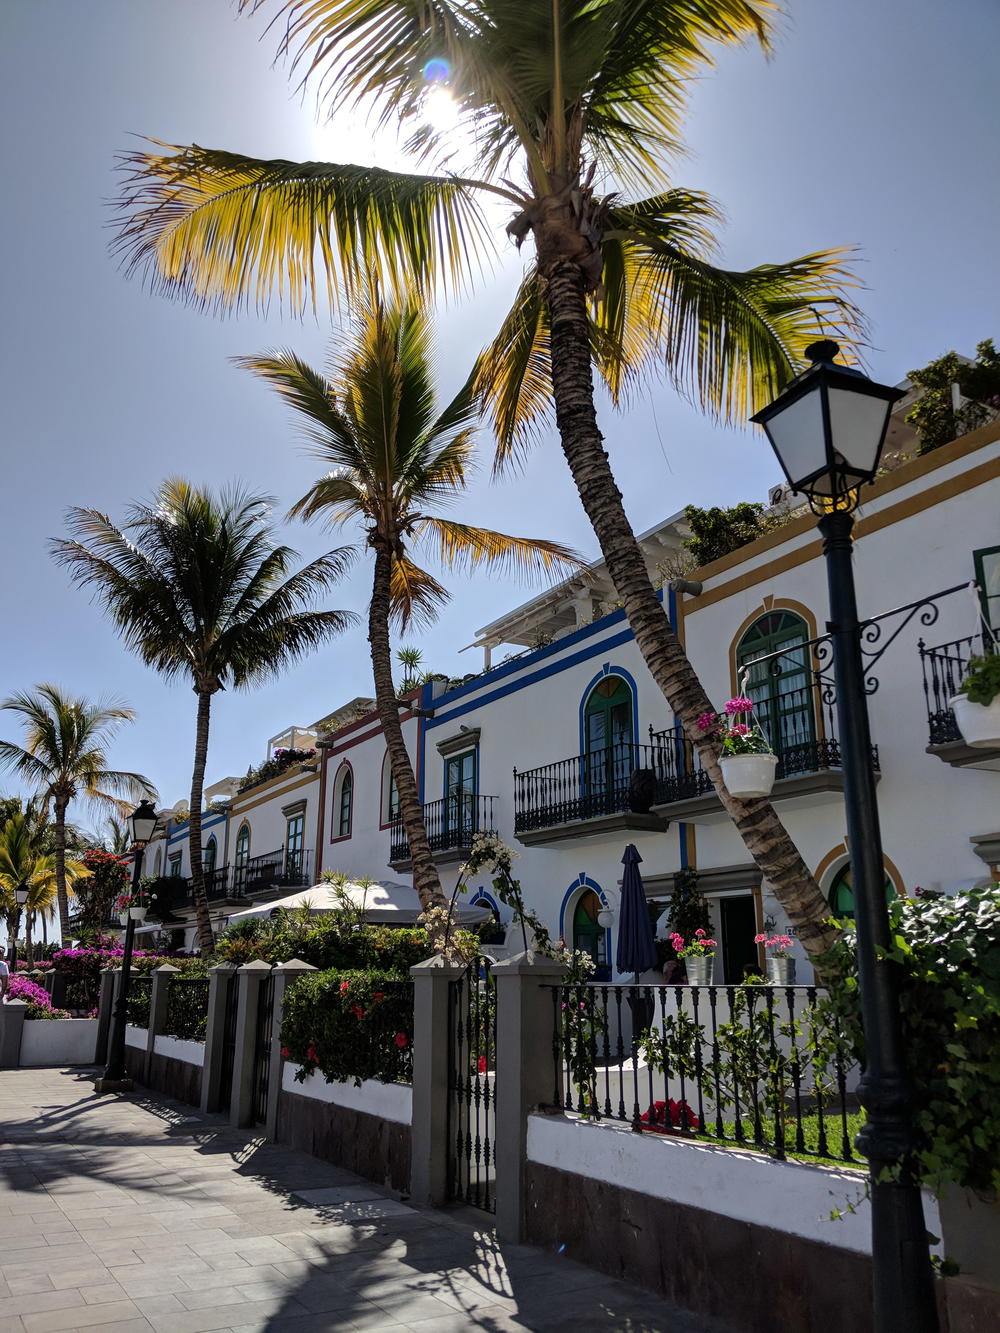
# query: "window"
{"points": [[390, 794], [987, 564], [393, 800], [840, 895], [783, 698], [294, 837], [242, 856], [590, 936], [345, 803], [608, 738], [460, 797], [209, 855], [175, 866]]}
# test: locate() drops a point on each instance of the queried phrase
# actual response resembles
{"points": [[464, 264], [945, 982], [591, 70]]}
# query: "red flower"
{"points": [[344, 987], [402, 1040], [481, 1065], [285, 1052], [311, 1055], [357, 1011], [380, 995]]}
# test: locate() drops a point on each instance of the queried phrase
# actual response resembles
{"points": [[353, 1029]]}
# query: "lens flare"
{"points": [[437, 70]]}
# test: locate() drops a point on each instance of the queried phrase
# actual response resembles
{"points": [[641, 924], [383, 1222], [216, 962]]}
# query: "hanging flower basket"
{"points": [[747, 775], [123, 918], [978, 723], [138, 913]]}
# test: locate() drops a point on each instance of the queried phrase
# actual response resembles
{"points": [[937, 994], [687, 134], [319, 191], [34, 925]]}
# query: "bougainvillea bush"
{"points": [[82, 969], [35, 997], [96, 893], [349, 1025]]}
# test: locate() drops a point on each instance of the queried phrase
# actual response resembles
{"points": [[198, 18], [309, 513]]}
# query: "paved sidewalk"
{"points": [[140, 1213]]}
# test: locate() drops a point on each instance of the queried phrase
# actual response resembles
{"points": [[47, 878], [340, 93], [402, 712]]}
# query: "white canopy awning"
{"points": [[386, 903]]}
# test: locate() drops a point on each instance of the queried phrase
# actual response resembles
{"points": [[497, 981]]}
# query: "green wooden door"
{"points": [[608, 736], [782, 688]]}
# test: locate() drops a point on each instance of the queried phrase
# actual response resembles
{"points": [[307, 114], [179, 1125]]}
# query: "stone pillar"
{"points": [[284, 975], [11, 1026], [220, 978], [431, 1054], [105, 1008], [525, 1073], [162, 977], [250, 978]]}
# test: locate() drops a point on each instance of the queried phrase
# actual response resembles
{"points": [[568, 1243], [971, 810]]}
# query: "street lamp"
{"points": [[21, 895], [827, 428], [142, 822]]}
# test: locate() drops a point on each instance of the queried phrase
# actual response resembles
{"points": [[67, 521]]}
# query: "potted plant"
{"points": [[134, 904], [780, 963], [977, 704], [698, 957], [747, 760]]}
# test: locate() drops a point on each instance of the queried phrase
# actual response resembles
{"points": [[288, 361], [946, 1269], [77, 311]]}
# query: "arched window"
{"points": [[782, 689], [608, 737], [840, 894], [589, 935], [208, 856], [242, 856], [343, 803], [390, 794]]}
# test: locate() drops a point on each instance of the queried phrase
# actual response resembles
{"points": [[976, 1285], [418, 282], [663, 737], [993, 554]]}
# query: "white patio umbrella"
{"points": [[387, 902]]}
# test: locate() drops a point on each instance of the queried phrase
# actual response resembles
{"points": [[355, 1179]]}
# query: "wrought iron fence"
{"points": [[944, 670], [187, 1008], [140, 993], [472, 1093], [450, 824], [759, 1066]]}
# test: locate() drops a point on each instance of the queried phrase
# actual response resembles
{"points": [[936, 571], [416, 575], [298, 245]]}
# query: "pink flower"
{"points": [[677, 941], [708, 722], [402, 1040], [741, 704], [739, 729], [760, 939], [700, 934]]}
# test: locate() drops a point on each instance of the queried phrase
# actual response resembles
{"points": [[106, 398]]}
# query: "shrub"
{"points": [[35, 997], [349, 1024], [947, 952], [82, 969], [324, 941], [187, 1008]]}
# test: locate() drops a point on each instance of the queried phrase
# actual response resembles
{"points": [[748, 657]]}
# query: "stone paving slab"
{"points": [[134, 1212]]}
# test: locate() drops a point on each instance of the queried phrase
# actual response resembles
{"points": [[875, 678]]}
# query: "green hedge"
{"points": [[350, 1024], [137, 1009], [187, 1008]]}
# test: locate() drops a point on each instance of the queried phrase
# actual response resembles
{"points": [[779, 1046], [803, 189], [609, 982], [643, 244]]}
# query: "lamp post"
{"points": [[827, 428], [21, 895], [142, 821]]}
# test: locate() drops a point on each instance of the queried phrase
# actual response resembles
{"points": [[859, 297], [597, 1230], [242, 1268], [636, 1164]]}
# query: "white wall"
{"points": [[190, 1052], [390, 1101], [789, 1196], [58, 1041]]}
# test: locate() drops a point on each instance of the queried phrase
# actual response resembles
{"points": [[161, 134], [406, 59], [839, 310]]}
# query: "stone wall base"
{"points": [[175, 1078], [377, 1149], [757, 1278]]}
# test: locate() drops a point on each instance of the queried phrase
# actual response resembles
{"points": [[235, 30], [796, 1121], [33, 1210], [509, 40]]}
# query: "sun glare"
{"points": [[440, 109]]}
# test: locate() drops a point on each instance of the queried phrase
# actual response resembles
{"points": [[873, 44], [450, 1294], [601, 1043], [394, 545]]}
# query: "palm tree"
{"points": [[64, 758], [23, 860], [198, 588], [558, 99], [393, 459]]}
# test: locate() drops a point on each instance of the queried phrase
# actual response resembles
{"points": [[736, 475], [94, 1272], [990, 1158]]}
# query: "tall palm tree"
{"points": [[394, 459], [199, 589], [64, 758], [574, 112], [24, 860]]}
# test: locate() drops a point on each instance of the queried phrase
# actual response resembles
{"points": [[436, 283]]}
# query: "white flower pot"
{"points": [[123, 918], [699, 969], [138, 913], [978, 723], [781, 971], [748, 775]]}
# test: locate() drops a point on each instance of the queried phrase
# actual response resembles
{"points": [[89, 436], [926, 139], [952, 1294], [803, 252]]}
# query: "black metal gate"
{"points": [[472, 1092], [262, 1048], [228, 1043]]}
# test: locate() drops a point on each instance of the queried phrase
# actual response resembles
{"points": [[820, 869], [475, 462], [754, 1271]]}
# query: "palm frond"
{"points": [[461, 546], [228, 231], [513, 376], [416, 597]]}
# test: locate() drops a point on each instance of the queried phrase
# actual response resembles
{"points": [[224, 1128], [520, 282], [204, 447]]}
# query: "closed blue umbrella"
{"points": [[636, 943]]}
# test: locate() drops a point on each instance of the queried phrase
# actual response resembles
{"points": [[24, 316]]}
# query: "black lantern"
{"points": [[827, 428], [21, 894], [142, 822]]}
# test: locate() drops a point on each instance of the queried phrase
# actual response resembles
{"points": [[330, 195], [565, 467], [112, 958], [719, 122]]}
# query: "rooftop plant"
{"points": [[274, 767], [934, 416]]}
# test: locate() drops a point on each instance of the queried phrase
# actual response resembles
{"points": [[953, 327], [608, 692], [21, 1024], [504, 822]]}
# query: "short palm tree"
{"points": [[199, 589], [394, 459], [573, 112], [64, 758], [23, 860]]}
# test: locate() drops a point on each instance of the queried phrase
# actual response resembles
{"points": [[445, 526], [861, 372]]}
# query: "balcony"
{"points": [[943, 672], [263, 876], [451, 824], [585, 795]]}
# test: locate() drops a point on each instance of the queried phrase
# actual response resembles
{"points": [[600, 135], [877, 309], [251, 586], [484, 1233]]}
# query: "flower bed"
{"points": [[350, 1025], [82, 969], [35, 997]]}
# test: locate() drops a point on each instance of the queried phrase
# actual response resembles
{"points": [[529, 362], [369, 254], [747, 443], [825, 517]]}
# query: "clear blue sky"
{"points": [[873, 125]]}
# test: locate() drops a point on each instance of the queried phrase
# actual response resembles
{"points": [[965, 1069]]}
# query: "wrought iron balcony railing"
{"points": [[944, 670], [273, 870], [450, 824]]}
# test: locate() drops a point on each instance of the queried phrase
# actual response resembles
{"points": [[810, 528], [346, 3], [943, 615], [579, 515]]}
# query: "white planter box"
{"points": [[978, 723], [390, 1101], [747, 775], [58, 1041], [136, 1037], [191, 1052]]}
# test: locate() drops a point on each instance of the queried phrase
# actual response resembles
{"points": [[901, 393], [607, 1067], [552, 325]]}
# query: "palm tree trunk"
{"points": [[13, 922], [45, 929], [29, 919], [206, 940], [59, 847], [426, 880], [765, 837]]}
